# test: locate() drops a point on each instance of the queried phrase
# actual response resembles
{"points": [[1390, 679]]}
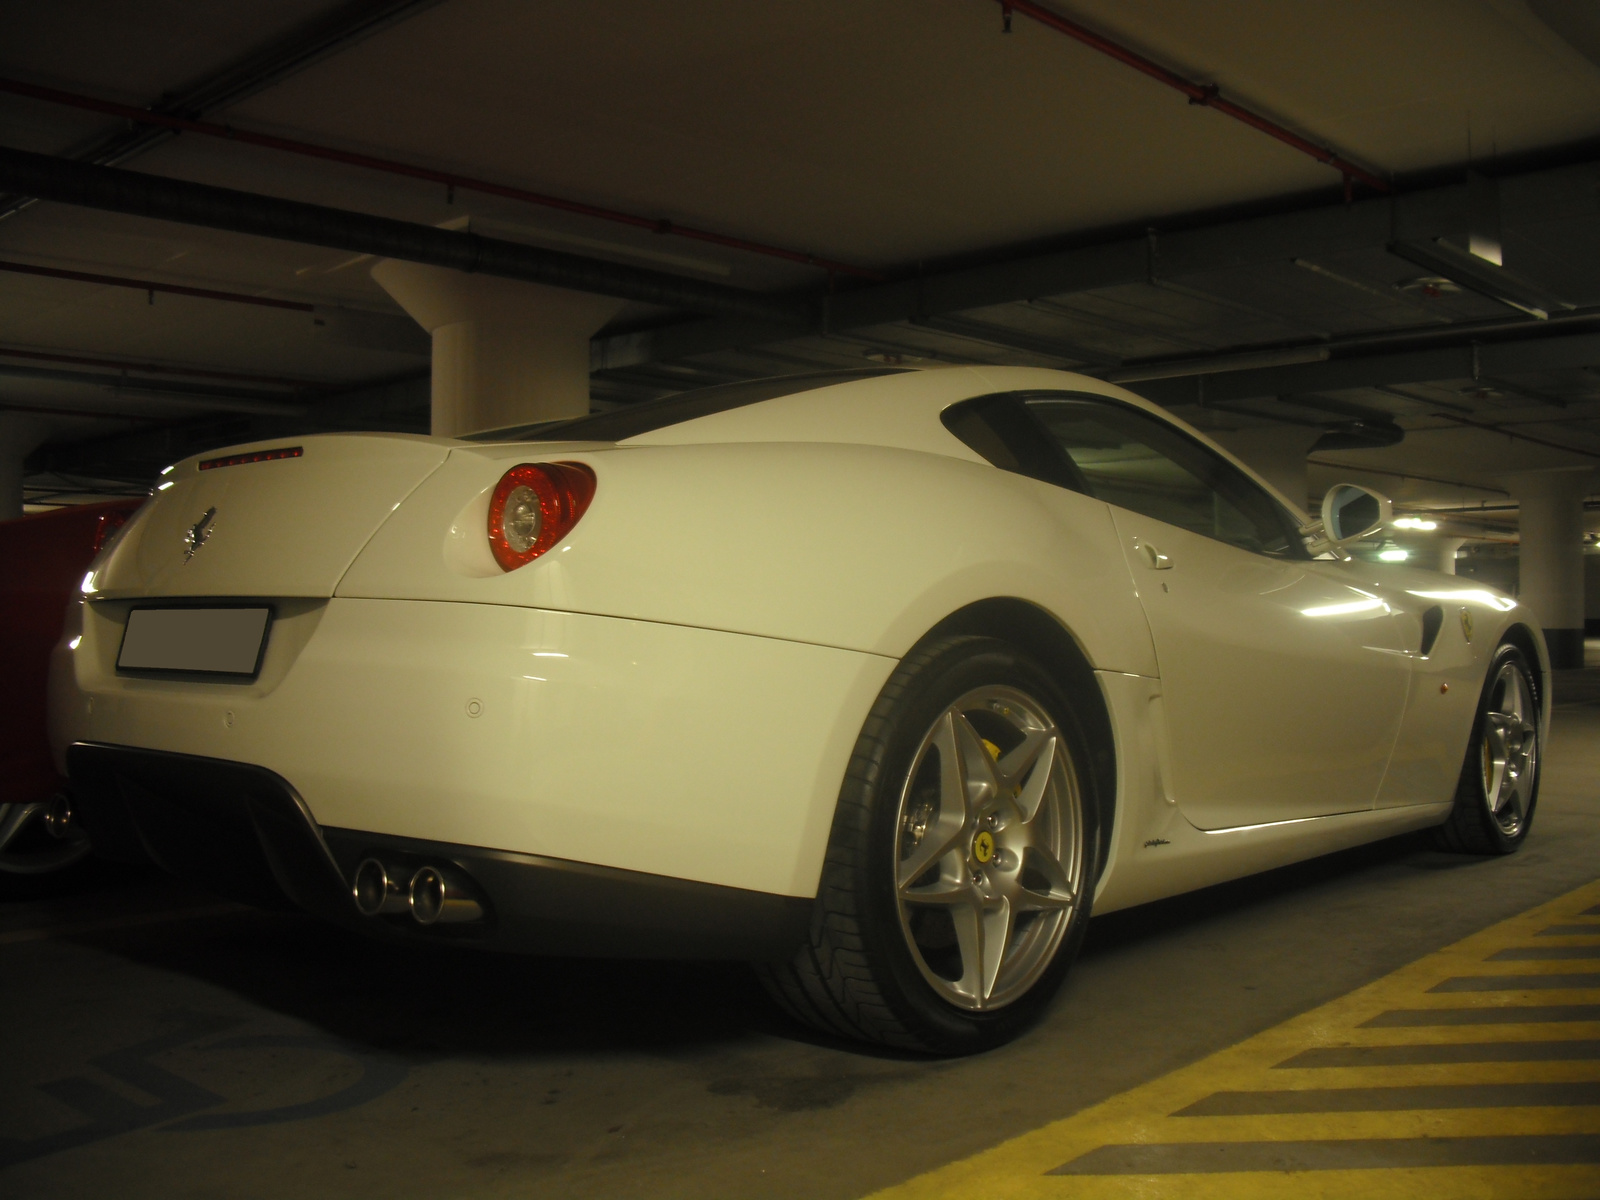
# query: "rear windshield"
{"points": [[673, 410]]}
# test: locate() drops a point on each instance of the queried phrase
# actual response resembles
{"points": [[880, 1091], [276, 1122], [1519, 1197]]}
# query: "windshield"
{"points": [[673, 410]]}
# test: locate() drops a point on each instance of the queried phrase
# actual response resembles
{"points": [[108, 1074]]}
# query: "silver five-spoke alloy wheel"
{"points": [[989, 858], [1510, 759]]}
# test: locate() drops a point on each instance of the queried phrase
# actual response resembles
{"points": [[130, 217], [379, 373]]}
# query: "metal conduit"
{"points": [[1198, 93], [137, 194]]}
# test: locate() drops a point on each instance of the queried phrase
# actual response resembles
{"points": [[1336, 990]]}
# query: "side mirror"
{"points": [[1349, 513]]}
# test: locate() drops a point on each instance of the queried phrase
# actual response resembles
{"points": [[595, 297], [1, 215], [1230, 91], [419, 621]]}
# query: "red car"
{"points": [[43, 557]]}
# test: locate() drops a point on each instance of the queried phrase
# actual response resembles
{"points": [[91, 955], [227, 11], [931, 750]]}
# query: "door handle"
{"points": [[1153, 558]]}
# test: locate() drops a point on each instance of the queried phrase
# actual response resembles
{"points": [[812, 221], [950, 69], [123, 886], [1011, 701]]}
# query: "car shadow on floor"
{"points": [[424, 1001]]}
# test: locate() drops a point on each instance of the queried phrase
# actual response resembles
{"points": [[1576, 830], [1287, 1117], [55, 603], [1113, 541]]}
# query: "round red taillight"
{"points": [[534, 506]]}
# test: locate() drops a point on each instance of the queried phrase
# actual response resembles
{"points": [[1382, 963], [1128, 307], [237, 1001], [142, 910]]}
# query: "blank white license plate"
{"points": [[210, 641]]}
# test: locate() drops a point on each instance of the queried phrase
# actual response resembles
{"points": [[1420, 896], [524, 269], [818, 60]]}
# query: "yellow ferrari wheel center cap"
{"points": [[983, 846]]}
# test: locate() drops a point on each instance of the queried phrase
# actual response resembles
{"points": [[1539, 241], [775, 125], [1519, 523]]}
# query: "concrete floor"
{"points": [[158, 1043]]}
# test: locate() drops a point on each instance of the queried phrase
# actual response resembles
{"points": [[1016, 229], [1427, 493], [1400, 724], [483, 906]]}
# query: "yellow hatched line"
{"points": [[1473, 1073]]}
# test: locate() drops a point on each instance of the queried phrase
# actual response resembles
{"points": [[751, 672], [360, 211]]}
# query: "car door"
{"points": [[1283, 680]]}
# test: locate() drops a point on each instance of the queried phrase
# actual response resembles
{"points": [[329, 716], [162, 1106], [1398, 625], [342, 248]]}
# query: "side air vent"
{"points": [[1432, 622]]}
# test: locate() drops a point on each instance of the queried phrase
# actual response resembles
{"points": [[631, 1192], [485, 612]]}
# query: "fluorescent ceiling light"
{"points": [[1218, 363], [1480, 274]]}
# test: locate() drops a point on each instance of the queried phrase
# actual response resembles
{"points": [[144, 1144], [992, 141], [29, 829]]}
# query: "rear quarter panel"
{"points": [[857, 547]]}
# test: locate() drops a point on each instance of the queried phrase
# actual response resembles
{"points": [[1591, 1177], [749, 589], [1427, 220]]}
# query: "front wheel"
{"points": [[1500, 778], [962, 860]]}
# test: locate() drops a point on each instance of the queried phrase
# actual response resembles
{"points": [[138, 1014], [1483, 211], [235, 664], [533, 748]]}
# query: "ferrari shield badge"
{"points": [[196, 535], [1466, 623]]}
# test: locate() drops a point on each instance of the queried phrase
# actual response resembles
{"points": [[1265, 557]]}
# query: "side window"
{"points": [[1001, 430], [1139, 463]]}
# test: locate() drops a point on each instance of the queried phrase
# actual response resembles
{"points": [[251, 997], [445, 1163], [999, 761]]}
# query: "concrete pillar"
{"points": [[1445, 548], [504, 352], [1278, 454], [19, 434], [1591, 591], [1550, 522]]}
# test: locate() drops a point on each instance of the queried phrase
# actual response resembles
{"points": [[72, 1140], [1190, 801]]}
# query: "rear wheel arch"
{"points": [[1037, 633]]}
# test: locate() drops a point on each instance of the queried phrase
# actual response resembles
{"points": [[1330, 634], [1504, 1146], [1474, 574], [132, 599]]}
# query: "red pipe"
{"points": [[149, 285], [1198, 93], [449, 179]]}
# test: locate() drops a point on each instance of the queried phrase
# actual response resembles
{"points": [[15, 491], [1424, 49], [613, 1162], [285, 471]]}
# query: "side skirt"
{"points": [[1183, 858]]}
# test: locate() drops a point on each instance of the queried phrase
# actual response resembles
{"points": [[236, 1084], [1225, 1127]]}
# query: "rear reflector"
{"points": [[235, 460]]}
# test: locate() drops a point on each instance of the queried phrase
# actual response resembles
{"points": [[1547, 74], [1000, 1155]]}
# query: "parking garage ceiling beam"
{"points": [[205, 397], [137, 194], [326, 35], [1419, 219], [1380, 369], [449, 179]]}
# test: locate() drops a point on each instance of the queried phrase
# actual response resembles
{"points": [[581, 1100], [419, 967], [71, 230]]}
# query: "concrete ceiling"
{"points": [[998, 183]]}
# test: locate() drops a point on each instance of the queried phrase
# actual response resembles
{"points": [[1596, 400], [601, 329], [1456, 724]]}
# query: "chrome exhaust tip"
{"points": [[58, 818], [439, 896], [378, 891]]}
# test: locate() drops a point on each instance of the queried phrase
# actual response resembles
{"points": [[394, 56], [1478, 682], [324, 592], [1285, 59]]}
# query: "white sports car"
{"points": [[882, 679]]}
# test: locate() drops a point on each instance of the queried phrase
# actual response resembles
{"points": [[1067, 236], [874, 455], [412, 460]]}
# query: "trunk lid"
{"points": [[279, 526]]}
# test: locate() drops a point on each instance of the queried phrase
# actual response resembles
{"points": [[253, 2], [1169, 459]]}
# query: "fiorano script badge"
{"points": [[198, 533]]}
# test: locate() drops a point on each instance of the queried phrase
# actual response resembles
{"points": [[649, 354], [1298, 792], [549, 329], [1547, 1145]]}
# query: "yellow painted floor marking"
{"points": [[1473, 1073]]}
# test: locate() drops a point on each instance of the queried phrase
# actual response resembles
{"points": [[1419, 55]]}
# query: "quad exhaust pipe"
{"points": [[59, 818], [379, 891], [432, 895]]}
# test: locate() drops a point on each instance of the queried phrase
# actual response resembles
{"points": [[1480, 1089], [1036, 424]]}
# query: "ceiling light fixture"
{"points": [[1250, 360], [1431, 286], [1481, 274]]}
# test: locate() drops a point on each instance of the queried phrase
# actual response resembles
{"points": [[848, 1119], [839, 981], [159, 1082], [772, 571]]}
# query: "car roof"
{"points": [[896, 409]]}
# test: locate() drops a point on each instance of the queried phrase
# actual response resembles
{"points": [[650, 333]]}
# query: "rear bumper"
{"points": [[655, 749], [245, 833]]}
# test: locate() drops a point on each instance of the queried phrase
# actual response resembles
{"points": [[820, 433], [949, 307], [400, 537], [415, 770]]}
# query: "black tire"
{"points": [[1474, 826], [859, 975]]}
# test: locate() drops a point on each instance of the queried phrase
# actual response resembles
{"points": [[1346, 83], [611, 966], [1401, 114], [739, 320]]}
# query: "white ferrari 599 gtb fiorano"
{"points": [[881, 679]]}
